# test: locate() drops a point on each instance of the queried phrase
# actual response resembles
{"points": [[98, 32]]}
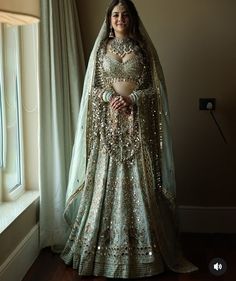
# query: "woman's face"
{"points": [[120, 20]]}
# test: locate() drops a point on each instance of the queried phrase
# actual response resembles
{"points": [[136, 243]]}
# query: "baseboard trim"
{"points": [[20, 260], [207, 219]]}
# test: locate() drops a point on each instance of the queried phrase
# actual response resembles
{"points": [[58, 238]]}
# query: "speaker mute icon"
{"points": [[217, 266]]}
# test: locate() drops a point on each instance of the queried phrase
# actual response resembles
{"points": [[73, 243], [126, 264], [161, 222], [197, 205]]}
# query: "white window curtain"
{"points": [[61, 77]]}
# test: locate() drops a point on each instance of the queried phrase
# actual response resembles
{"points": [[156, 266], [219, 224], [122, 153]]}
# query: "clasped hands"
{"points": [[121, 103]]}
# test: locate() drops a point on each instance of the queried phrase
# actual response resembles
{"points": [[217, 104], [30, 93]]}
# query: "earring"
{"points": [[111, 34]]}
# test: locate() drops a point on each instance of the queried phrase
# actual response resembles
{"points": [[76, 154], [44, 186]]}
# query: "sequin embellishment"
{"points": [[120, 134]]}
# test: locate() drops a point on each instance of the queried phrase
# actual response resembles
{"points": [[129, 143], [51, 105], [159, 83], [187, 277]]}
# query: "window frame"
{"points": [[12, 193]]}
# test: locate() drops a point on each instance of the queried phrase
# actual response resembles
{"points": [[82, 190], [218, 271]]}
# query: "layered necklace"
{"points": [[122, 46]]}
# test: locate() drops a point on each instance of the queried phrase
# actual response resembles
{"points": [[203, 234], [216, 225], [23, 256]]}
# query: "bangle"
{"points": [[107, 96], [134, 97]]}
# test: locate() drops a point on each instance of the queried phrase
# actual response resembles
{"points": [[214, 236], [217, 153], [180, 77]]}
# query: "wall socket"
{"points": [[207, 103]]}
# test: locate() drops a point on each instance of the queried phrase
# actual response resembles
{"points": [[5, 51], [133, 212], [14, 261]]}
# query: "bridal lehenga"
{"points": [[121, 203]]}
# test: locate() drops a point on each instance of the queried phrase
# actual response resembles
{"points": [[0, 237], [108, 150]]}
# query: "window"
{"points": [[1, 128], [18, 91]]}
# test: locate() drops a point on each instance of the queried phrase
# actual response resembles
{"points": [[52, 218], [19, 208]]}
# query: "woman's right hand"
{"points": [[120, 103]]}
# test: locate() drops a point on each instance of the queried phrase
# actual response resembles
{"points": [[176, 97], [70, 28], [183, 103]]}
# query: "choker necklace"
{"points": [[122, 46]]}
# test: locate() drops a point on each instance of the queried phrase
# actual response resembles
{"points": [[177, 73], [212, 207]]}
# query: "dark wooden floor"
{"points": [[199, 248]]}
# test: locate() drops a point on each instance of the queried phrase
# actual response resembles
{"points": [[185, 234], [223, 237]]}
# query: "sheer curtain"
{"points": [[62, 70]]}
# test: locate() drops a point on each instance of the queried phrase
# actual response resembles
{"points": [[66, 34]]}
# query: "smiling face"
{"points": [[120, 20]]}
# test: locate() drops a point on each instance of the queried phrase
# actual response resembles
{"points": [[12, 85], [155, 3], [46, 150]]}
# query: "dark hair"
{"points": [[133, 17]]}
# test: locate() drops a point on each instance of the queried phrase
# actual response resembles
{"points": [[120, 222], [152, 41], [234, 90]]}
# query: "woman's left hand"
{"points": [[120, 102]]}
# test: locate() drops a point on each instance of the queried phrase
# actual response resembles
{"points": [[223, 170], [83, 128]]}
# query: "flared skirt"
{"points": [[115, 233]]}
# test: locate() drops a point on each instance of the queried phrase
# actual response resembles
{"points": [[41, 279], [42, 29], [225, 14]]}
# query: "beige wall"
{"points": [[196, 42]]}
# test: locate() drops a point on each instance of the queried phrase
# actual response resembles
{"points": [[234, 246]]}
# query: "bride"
{"points": [[121, 203]]}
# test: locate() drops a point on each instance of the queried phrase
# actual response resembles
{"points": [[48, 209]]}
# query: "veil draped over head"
{"points": [[167, 193]]}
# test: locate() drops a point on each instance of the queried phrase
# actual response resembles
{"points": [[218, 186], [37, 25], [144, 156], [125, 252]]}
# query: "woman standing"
{"points": [[121, 191]]}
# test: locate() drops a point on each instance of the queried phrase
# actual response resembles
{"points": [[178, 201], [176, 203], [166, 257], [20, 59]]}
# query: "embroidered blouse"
{"points": [[110, 70]]}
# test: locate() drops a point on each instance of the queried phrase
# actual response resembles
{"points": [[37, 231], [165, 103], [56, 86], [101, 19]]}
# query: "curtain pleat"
{"points": [[62, 71]]}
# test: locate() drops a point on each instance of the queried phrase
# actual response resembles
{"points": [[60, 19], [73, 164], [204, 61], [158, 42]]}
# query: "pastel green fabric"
{"points": [[62, 71], [122, 214]]}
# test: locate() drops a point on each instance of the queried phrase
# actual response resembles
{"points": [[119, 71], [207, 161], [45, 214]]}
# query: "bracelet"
{"points": [[134, 97], [107, 96]]}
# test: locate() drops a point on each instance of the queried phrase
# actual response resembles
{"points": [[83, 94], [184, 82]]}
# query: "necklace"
{"points": [[122, 46]]}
